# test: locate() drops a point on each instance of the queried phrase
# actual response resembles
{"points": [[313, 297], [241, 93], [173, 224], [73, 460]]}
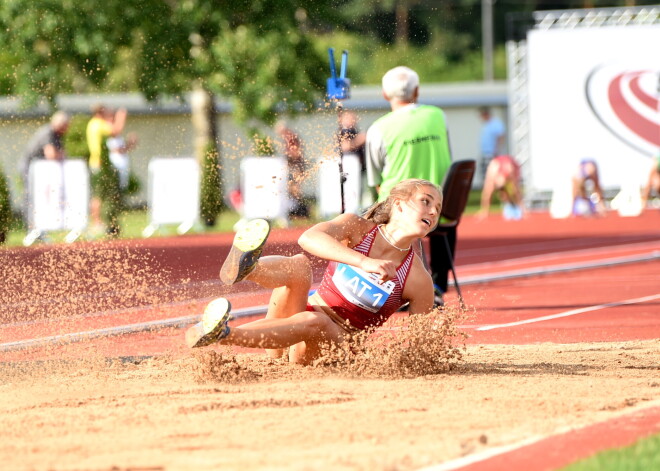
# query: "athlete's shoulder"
{"points": [[357, 223], [352, 223]]}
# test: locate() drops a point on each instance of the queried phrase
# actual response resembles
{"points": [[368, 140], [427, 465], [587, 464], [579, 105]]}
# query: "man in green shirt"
{"points": [[410, 142]]}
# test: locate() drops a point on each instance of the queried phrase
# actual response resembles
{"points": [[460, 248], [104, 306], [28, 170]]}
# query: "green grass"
{"points": [[133, 222], [643, 455], [433, 62], [474, 203]]}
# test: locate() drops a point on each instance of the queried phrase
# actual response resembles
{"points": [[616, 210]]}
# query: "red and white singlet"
{"points": [[357, 296]]}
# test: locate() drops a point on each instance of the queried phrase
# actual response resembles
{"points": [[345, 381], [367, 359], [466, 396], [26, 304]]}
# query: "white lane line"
{"points": [[260, 310], [150, 326], [459, 463], [571, 312], [653, 246], [529, 272], [464, 461], [568, 242]]}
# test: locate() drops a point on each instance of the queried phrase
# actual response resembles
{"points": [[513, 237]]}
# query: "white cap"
{"points": [[400, 82], [59, 119]]}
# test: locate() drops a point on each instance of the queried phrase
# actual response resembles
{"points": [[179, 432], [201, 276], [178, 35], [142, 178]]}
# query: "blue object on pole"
{"points": [[338, 88]]}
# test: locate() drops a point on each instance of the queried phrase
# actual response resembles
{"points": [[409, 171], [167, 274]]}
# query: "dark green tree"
{"points": [[256, 53], [60, 46], [5, 207]]}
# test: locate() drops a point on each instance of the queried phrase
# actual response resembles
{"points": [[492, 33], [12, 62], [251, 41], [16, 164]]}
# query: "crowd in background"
{"points": [[110, 173]]}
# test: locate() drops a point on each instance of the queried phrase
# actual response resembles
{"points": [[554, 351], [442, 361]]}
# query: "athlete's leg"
{"points": [[306, 352], [290, 278], [245, 251], [305, 330]]}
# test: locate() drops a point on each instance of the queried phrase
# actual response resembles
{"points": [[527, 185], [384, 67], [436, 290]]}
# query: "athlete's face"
{"points": [[422, 210]]}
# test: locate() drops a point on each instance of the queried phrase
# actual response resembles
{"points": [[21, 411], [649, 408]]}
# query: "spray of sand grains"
{"points": [[63, 281], [405, 347]]}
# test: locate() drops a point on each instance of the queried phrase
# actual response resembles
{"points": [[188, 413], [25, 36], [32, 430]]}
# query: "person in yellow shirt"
{"points": [[105, 190]]}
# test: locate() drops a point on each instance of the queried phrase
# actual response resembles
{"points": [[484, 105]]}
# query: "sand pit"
{"points": [[213, 409], [210, 409]]}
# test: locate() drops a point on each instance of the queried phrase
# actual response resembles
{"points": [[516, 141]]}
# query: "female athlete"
{"points": [[372, 271]]}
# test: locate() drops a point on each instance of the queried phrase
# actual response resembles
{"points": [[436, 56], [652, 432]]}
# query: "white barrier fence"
{"points": [[173, 193], [264, 187], [329, 189], [58, 198], [59, 192]]}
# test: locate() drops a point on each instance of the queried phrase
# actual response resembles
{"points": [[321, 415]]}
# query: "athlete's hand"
{"points": [[385, 269]]}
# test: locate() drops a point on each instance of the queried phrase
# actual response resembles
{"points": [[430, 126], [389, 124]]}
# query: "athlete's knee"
{"points": [[301, 269], [302, 261]]}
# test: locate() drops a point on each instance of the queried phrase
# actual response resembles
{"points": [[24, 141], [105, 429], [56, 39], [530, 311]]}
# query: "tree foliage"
{"points": [[256, 53], [55, 46], [211, 199], [253, 52], [56, 43], [5, 207]]}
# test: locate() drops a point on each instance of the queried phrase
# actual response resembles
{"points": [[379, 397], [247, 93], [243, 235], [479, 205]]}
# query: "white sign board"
{"points": [[173, 191], [329, 190], [264, 187], [58, 195], [593, 93]]}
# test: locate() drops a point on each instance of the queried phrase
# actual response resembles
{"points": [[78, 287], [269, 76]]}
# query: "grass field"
{"points": [[565, 375], [133, 222], [643, 455]]}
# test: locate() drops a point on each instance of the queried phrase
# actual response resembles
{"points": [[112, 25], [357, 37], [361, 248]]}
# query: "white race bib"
{"points": [[361, 288]]}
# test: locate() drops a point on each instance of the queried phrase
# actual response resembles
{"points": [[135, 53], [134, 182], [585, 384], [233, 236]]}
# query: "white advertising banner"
{"points": [[329, 191], [593, 93], [174, 191], [59, 195], [264, 187]]}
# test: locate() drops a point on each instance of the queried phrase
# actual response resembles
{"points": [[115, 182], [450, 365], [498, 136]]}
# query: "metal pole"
{"points": [[340, 154], [487, 38]]}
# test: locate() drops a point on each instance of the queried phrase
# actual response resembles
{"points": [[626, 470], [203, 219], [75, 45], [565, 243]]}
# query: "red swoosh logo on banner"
{"points": [[637, 123], [645, 98]]}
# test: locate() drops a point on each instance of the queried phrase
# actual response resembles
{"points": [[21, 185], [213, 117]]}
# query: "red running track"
{"points": [[528, 282], [536, 280], [509, 272]]}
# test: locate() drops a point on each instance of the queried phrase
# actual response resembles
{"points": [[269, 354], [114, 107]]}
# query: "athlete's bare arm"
{"points": [[488, 188], [332, 240], [419, 289]]}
